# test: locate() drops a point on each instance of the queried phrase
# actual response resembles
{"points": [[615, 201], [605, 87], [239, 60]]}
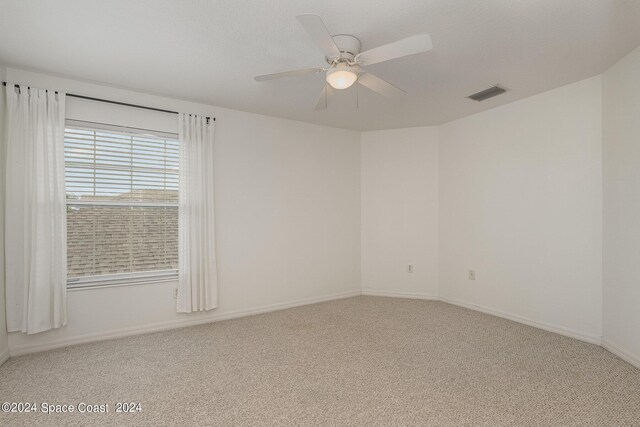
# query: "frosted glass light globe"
{"points": [[341, 76]]}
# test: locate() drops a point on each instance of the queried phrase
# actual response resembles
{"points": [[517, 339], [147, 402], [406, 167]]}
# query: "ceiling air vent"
{"points": [[487, 93]]}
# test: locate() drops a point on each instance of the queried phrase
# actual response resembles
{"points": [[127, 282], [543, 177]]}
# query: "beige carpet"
{"points": [[358, 361]]}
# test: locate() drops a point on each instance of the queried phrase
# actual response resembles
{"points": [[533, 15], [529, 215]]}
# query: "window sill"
{"points": [[111, 281]]}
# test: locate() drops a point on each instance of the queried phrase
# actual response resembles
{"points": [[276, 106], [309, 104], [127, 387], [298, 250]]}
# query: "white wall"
{"points": [[621, 139], [400, 211], [521, 204], [287, 216], [4, 341]]}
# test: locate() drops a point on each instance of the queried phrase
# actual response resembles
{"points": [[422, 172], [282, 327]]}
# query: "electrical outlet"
{"points": [[175, 293], [472, 275], [410, 268]]}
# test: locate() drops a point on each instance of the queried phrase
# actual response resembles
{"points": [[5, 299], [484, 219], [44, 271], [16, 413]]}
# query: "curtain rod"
{"points": [[108, 101]]}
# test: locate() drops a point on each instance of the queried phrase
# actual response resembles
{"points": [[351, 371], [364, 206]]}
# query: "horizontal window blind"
{"points": [[122, 201]]}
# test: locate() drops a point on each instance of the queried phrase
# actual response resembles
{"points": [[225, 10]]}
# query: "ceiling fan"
{"points": [[346, 62]]}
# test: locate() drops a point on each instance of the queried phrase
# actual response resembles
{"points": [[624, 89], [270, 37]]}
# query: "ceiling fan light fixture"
{"points": [[341, 76], [346, 61]]}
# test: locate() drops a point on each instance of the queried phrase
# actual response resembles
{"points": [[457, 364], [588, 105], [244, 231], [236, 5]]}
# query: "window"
{"points": [[122, 204]]}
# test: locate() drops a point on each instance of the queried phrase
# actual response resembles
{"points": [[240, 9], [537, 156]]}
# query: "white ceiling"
{"points": [[209, 51]]}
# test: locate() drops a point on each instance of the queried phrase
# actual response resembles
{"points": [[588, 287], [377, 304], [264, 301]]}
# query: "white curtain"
{"points": [[35, 211], [197, 276]]}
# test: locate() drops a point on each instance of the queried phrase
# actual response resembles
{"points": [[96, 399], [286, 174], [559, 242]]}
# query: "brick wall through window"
{"points": [[122, 196]]}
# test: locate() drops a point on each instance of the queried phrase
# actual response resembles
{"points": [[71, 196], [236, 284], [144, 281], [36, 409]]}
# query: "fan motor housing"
{"points": [[348, 45]]}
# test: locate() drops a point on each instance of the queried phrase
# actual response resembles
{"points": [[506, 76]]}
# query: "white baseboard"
{"points": [[394, 294], [589, 338], [173, 324], [592, 339], [4, 356], [622, 354], [181, 323]]}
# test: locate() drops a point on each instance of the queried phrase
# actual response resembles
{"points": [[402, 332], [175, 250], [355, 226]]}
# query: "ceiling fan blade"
{"points": [[319, 34], [376, 84], [325, 97], [409, 46], [292, 73]]}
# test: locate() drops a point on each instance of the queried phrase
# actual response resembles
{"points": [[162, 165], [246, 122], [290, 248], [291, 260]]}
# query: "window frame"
{"points": [[119, 279]]}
